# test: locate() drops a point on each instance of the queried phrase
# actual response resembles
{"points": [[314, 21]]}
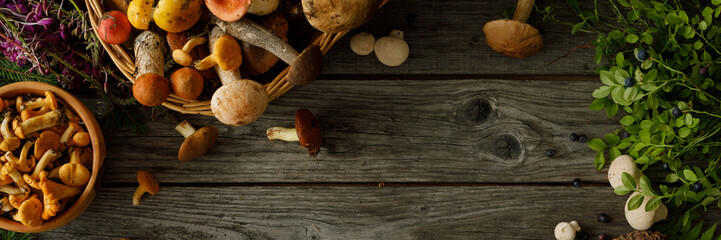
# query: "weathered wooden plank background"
{"points": [[460, 151]]}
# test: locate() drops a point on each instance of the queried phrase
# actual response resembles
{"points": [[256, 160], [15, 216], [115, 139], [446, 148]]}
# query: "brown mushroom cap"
{"points": [[239, 102], [228, 10], [309, 131], [151, 89], [187, 83], [332, 16], [178, 40], [513, 38], [148, 182], [198, 144], [257, 60], [306, 67], [48, 140]]}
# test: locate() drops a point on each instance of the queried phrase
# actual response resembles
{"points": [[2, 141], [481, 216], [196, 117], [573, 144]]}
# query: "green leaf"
{"points": [[635, 202], [599, 161], [714, 192], [596, 144], [715, 2], [708, 234], [688, 119], [598, 104], [645, 185], [621, 190], [689, 175], [686, 216], [684, 132], [613, 153], [651, 75], [631, 38], [612, 110], [627, 120], [652, 204], [612, 139], [602, 92], [607, 78], [628, 180], [708, 200], [671, 178], [619, 59]]}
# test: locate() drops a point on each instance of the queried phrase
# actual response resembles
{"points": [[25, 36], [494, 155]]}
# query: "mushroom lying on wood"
{"points": [[148, 184], [639, 219], [332, 16], [239, 101], [38, 123], [307, 130], [362, 43], [566, 231], [257, 60], [150, 87], [304, 67], [197, 142], [169, 15], [514, 38], [392, 50]]}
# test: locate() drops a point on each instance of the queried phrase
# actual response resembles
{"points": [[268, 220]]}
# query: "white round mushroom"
{"points": [[621, 164], [641, 220], [362, 43], [566, 231], [392, 50]]}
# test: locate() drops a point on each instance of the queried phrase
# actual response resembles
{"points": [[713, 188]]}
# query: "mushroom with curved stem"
{"points": [[228, 10], [37, 123], [331, 16], [307, 130], [9, 170], [5, 180], [621, 164], [197, 142], [49, 101], [151, 88], [239, 101], [23, 163], [69, 132], [225, 53], [9, 142], [52, 194], [169, 15], [362, 43], [148, 184], [304, 67], [30, 212], [49, 156], [257, 60], [11, 190], [182, 56], [392, 50], [639, 218], [566, 231], [187, 83], [28, 113], [32, 182], [514, 38]]}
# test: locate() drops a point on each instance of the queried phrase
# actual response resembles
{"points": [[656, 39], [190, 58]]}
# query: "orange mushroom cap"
{"points": [[151, 89], [228, 10]]}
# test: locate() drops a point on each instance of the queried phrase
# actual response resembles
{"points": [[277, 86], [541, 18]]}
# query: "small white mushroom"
{"points": [[566, 231], [641, 220], [362, 43], [621, 164], [392, 50], [263, 7]]}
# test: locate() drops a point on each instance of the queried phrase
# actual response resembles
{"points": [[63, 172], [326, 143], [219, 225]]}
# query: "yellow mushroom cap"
{"points": [[513, 38], [177, 16], [139, 13]]}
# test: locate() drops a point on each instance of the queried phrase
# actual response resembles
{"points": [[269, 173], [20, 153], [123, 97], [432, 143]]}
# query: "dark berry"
{"points": [[577, 183], [602, 236], [703, 71], [696, 186], [642, 55], [550, 153], [573, 137], [666, 167], [625, 134], [582, 236], [582, 138], [630, 82], [676, 112], [603, 218]]}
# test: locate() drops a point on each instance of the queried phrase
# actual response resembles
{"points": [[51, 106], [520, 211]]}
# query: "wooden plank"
{"points": [[391, 131], [445, 37], [350, 212]]}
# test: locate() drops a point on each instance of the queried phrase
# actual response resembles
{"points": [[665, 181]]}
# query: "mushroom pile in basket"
{"points": [[45, 158], [210, 57]]}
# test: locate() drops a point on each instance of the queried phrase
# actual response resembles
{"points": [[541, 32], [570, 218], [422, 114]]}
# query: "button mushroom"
{"points": [[621, 164], [514, 38], [9, 142], [392, 50], [332, 16], [169, 15], [639, 219], [187, 83], [566, 231], [148, 184], [38, 123], [150, 87], [238, 101], [363, 43], [52, 194], [263, 7], [304, 67], [114, 27], [307, 130], [30, 212], [228, 10], [257, 60], [81, 139], [225, 53], [197, 142]]}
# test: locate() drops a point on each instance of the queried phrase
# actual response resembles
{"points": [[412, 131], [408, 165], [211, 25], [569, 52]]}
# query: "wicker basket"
{"points": [[126, 64]]}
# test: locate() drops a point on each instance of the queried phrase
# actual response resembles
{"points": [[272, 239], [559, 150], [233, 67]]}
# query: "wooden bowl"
{"points": [[97, 142]]}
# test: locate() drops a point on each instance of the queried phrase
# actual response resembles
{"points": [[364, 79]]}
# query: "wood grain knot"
{"points": [[475, 112], [506, 147]]}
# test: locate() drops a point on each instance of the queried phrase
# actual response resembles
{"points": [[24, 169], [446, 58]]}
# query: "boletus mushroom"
{"points": [[332, 16], [307, 130], [197, 142], [304, 67], [148, 184], [514, 37], [187, 83], [151, 88], [256, 60], [239, 101]]}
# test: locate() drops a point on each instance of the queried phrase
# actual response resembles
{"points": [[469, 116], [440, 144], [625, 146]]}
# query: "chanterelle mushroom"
{"points": [[49, 101], [9, 142], [9, 170], [639, 219], [197, 143], [566, 231], [49, 156], [392, 50], [74, 174], [621, 164], [47, 140], [148, 184], [226, 54], [514, 38], [38, 123], [332, 16], [30, 212], [52, 194], [151, 87], [307, 130]]}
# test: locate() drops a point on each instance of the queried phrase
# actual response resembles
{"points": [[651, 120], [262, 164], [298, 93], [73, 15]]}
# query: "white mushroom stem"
{"points": [[226, 77], [149, 54], [523, 10], [5, 205], [38, 123], [5, 127], [69, 132], [182, 56], [9, 170], [185, 128], [282, 133], [248, 31], [566, 231], [263, 7], [10, 190], [49, 156], [55, 173]]}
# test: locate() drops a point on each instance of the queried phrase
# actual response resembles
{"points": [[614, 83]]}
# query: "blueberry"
{"points": [[642, 55], [625, 134], [703, 71], [582, 138], [676, 112], [577, 183], [697, 186], [573, 137], [550, 153], [630, 82], [666, 167], [602, 236], [582, 236], [603, 218]]}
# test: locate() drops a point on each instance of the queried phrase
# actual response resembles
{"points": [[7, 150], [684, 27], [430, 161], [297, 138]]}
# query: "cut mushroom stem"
{"points": [[49, 156], [523, 10], [49, 101], [38, 123], [304, 67], [182, 56], [307, 131], [283, 134]]}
